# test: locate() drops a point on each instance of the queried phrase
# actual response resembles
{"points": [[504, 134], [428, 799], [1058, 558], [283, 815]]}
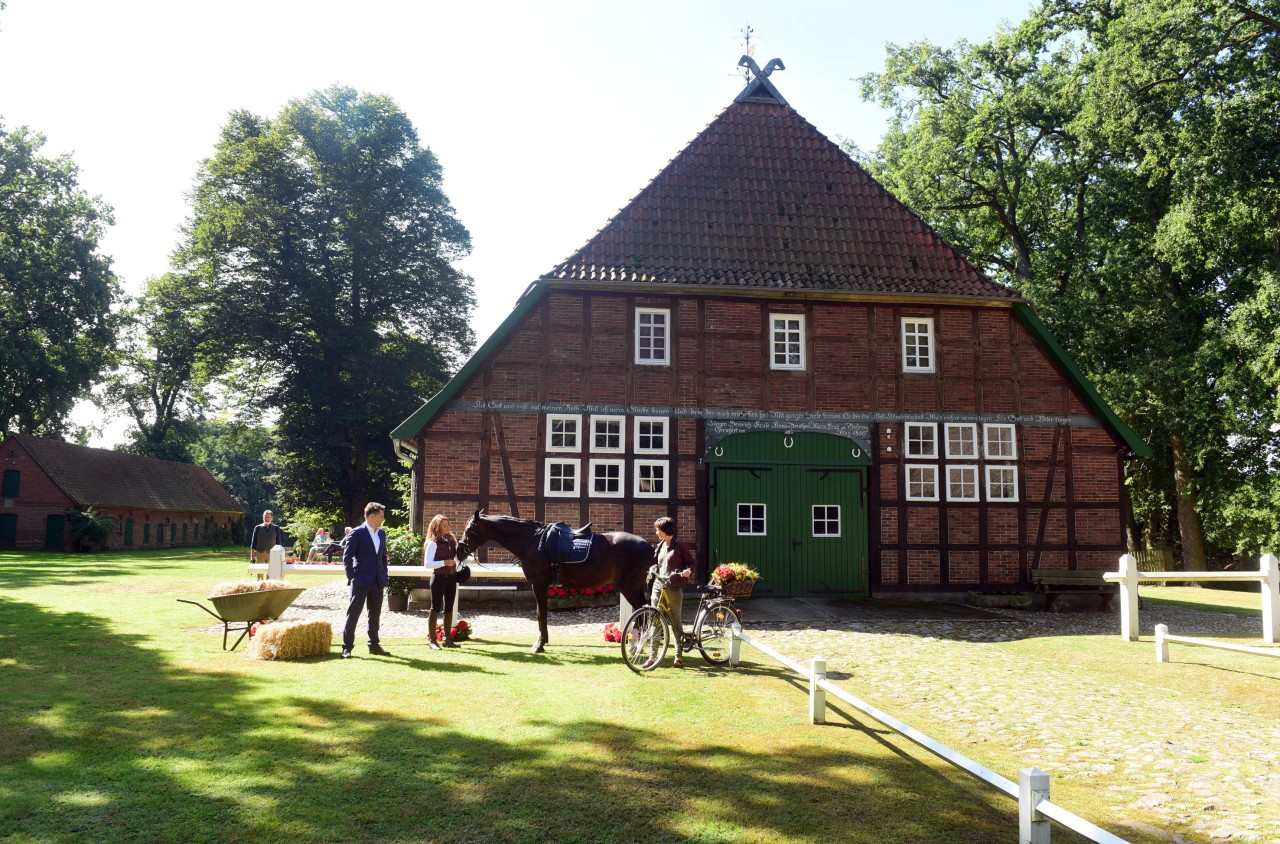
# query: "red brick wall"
{"points": [[577, 347]]}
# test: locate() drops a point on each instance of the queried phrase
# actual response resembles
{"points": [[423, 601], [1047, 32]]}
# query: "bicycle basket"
{"points": [[737, 588]]}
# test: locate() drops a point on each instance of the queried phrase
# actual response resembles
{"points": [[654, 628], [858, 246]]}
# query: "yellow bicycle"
{"points": [[647, 634]]}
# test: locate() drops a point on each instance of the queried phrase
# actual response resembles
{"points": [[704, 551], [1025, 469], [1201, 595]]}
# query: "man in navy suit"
{"points": [[365, 558]]}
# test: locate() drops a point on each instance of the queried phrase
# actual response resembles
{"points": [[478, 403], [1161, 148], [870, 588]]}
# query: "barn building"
{"points": [[768, 347], [155, 503]]}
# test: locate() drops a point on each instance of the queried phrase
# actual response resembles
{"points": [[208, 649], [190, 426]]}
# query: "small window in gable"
{"points": [[12, 481], [651, 435], [1001, 442], [653, 336], [922, 439], [562, 478], [606, 478], [962, 440], [917, 344], [922, 483], [608, 433], [564, 433], [787, 334]]}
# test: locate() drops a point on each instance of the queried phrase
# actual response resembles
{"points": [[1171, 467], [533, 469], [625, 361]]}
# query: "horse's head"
{"points": [[471, 537]]}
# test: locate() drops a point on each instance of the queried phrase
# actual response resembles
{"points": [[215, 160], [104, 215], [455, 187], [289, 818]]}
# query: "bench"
{"points": [[1058, 582]]}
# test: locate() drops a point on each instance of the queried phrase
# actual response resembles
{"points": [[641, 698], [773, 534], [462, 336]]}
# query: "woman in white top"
{"points": [[441, 556], [318, 545]]}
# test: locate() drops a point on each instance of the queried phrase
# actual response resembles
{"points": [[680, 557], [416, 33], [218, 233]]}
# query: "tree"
{"points": [[56, 288], [325, 243], [1116, 163], [241, 456]]}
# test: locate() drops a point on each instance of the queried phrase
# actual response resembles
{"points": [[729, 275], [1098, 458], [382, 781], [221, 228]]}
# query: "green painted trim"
{"points": [[1040, 331], [409, 428]]}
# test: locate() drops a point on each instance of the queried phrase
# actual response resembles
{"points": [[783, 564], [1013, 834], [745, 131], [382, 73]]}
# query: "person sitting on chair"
{"points": [[319, 545]]}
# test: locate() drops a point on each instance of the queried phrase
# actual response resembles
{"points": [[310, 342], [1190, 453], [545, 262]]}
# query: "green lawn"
{"points": [[1247, 604], [121, 721]]}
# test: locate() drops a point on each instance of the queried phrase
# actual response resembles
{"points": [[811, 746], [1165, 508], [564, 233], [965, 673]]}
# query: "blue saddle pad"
{"points": [[559, 544]]}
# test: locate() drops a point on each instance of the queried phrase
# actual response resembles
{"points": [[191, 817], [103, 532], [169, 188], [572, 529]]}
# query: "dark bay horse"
{"points": [[622, 558]]}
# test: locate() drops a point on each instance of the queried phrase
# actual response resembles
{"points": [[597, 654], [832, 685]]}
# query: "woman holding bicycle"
{"points": [[674, 561]]}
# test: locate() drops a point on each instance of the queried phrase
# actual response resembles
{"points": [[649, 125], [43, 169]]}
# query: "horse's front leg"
{"points": [[540, 598]]}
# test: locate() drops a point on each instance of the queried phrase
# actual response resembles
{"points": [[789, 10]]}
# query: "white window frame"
{"points": [[764, 518], [929, 468], [774, 331], [577, 477], [976, 486], [622, 435], [972, 454], [565, 417], [930, 356], [1001, 468], [666, 337], [652, 420], [988, 452], [622, 478], [666, 478], [839, 521], [932, 454]]}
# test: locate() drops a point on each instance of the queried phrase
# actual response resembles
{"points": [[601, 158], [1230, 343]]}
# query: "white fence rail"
{"points": [[1031, 791], [1163, 638], [1268, 575]]}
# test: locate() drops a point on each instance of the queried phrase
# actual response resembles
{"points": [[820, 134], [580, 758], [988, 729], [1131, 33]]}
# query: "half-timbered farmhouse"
{"points": [[767, 346], [154, 503]]}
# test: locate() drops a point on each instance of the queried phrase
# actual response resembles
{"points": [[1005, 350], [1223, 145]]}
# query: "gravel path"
{"points": [[1215, 773]]}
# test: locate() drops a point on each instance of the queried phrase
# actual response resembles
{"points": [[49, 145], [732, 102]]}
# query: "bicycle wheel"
{"points": [[645, 638], [713, 631]]}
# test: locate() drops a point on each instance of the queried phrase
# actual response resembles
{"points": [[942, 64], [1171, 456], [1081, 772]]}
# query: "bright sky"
{"points": [[547, 117]]}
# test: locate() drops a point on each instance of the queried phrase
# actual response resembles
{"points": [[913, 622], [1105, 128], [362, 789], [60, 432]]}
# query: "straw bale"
{"points": [[291, 640], [237, 587]]}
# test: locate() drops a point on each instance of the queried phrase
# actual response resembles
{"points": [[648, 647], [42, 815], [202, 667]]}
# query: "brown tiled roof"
{"points": [[95, 476], [763, 199]]}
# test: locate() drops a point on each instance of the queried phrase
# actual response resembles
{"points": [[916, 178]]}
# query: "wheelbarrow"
{"points": [[247, 608]]}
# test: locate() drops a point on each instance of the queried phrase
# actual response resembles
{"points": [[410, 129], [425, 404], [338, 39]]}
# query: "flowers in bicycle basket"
{"points": [[460, 632], [733, 573], [612, 633]]}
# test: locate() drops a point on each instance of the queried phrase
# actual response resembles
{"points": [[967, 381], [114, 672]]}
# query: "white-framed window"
{"points": [[751, 520], [607, 478], [962, 440], [608, 434], [787, 336], [922, 483], [651, 478], [962, 483], [1001, 442], [564, 432], [826, 521], [562, 477], [653, 336], [651, 434], [917, 344], [922, 440], [1002, 483]]}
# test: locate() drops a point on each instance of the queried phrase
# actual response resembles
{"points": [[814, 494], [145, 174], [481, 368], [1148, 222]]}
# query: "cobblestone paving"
{"points": [[1216, 773]]}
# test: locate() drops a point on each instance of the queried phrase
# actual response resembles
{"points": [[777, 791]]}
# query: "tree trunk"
{"points": [[1189, 527]]}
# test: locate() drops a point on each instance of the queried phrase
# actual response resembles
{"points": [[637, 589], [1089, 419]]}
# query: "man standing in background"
{"points": [[265, 537]]}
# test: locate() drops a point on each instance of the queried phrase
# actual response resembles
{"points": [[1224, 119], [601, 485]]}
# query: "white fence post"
{"points": [[1033, 786], [275, 563], [1162, 644], [735, 644], [817, 696], [1270, 569], [1129, 598]]}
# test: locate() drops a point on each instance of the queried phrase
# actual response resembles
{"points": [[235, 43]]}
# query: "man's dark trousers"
{"points": [[362, 597]]}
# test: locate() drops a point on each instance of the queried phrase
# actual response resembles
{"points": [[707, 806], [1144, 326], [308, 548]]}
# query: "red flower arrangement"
{"points": [[570, 592], [612, 633], [459, 632], [253, 628]]}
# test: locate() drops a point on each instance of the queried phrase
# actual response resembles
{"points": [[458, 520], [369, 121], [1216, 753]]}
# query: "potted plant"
{"points": [[403, 549], [91, 530]]}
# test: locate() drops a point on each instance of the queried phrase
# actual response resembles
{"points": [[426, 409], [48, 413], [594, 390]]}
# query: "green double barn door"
{"points": [[793, 507]]}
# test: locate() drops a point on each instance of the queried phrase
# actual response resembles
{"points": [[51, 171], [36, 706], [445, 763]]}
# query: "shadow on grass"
{"points": [[104, 740]]}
